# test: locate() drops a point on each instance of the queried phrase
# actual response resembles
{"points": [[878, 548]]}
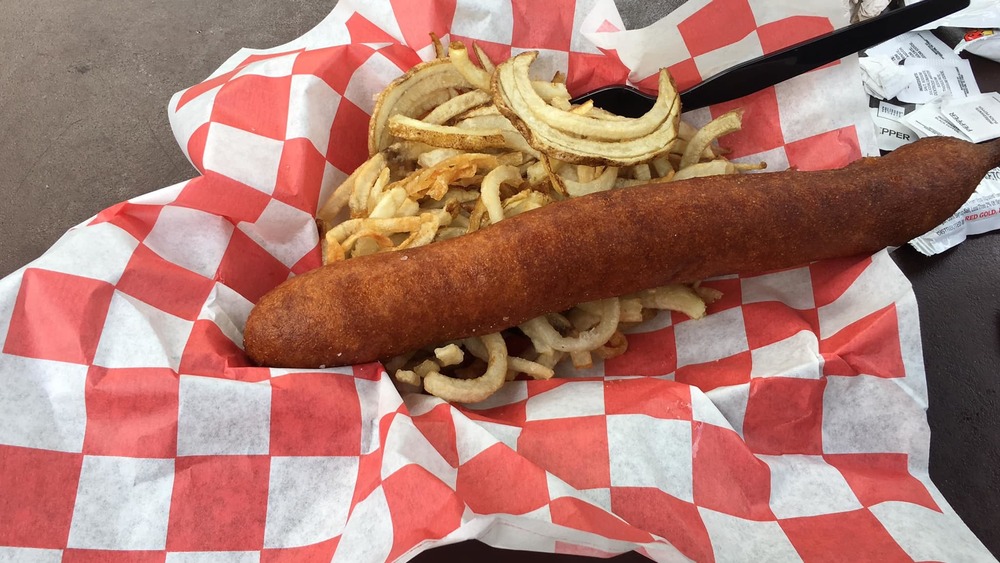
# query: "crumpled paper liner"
{"points": [[788, 424]]}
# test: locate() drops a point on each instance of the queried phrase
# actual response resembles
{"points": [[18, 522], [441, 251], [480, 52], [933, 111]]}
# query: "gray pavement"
{"points": [[84, 87]]}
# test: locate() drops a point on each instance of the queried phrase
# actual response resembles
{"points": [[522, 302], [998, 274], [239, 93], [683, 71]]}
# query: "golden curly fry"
{"points": [[457, 146]]}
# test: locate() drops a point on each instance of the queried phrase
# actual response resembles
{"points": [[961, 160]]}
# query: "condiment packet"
{"points": [[925, 69], [918, 68], [882, 77], [979, 215], [913, 45], [977, 117], [890, 130], [974, 118], [915, 68], [982, 42], [928, 121], [980, 13], [930, 79]]}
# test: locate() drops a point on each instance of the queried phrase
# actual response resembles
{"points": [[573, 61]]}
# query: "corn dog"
{"points": [[608, 244]]}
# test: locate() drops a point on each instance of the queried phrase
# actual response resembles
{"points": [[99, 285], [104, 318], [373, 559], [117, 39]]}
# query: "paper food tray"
{"points": [[788, 424]]}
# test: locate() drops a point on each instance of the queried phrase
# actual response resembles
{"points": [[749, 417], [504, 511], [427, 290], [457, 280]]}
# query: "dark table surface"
{"points": [[83, 93]]}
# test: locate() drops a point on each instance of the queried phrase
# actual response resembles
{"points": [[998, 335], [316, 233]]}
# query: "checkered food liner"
{"points": [[788, 424]]}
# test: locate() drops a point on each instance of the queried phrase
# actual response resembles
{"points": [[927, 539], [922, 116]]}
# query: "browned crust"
{"points": [[608, 244]]}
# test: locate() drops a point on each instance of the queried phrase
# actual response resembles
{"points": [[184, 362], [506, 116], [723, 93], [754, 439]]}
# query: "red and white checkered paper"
{"points": [[788, 424]]}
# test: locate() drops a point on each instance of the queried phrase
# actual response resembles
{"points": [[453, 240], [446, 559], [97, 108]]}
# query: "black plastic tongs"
{"points": [[767, 70]]}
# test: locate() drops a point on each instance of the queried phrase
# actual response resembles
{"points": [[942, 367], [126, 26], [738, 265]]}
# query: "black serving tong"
{"points": [[767, 70]]}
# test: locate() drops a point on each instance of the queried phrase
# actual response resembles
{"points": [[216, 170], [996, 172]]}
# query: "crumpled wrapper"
{"points": [[788, 424]]}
